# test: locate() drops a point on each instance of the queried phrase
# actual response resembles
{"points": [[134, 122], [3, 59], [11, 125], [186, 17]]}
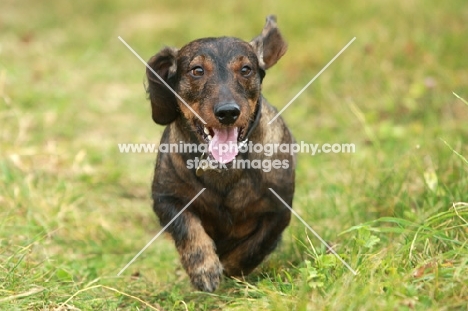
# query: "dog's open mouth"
{"points": [[222, 142]]}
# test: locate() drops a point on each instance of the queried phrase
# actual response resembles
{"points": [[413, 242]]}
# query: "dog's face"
{"points": [[220, 80]]}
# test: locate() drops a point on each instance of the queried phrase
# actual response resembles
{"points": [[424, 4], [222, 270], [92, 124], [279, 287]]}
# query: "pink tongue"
{"points": [[223, 146]]}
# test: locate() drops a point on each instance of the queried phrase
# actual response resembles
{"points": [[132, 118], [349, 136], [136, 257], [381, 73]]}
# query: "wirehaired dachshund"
{"points": [[236, 221]]}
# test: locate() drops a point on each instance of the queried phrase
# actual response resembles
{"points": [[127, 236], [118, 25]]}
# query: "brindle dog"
{"points": [[236, 222]]}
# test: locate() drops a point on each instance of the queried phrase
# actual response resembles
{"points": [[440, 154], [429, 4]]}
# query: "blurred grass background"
{"points": [[73, 210]]}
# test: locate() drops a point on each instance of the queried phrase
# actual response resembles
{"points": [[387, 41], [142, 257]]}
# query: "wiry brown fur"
{"points": [[236, 221]]}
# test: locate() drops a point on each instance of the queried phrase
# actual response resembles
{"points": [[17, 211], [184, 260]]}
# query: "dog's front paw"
{"points": [[206, 274]]}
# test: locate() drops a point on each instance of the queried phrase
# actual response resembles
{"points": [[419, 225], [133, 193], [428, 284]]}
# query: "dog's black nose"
{"points": [[227, 113]]}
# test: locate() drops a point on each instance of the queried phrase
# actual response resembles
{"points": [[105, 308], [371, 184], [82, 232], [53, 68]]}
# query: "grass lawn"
{"points": [[74, 210]]}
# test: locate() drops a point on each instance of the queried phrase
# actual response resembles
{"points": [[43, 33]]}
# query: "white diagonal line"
{"points": [[311, 81], [315, 233], [161, 79], [159, 233]]}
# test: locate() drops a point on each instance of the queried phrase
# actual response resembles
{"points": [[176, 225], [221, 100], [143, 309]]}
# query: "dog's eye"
{"points": [[246, 71], [197, 71]]}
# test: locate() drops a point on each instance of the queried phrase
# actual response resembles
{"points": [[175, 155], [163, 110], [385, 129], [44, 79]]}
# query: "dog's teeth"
{"points": [[209, 137], [207, 132]]}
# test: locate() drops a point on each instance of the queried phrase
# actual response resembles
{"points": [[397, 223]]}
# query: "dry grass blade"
{"points": [[32, 291], [157, 308]]}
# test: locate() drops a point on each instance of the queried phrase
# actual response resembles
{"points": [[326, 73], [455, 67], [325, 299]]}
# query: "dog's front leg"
{"points": [[196, 249], [198, 255]]}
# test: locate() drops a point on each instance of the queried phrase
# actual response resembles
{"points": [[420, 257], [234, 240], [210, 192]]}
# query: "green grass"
{"points": [[74, 211]]}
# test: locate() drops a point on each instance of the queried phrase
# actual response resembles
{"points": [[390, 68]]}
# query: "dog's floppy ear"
{"points": [[269, 45], [163, 102]]}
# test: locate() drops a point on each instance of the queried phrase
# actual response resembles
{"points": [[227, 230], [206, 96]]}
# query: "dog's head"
{"points": [[218, 79]]}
